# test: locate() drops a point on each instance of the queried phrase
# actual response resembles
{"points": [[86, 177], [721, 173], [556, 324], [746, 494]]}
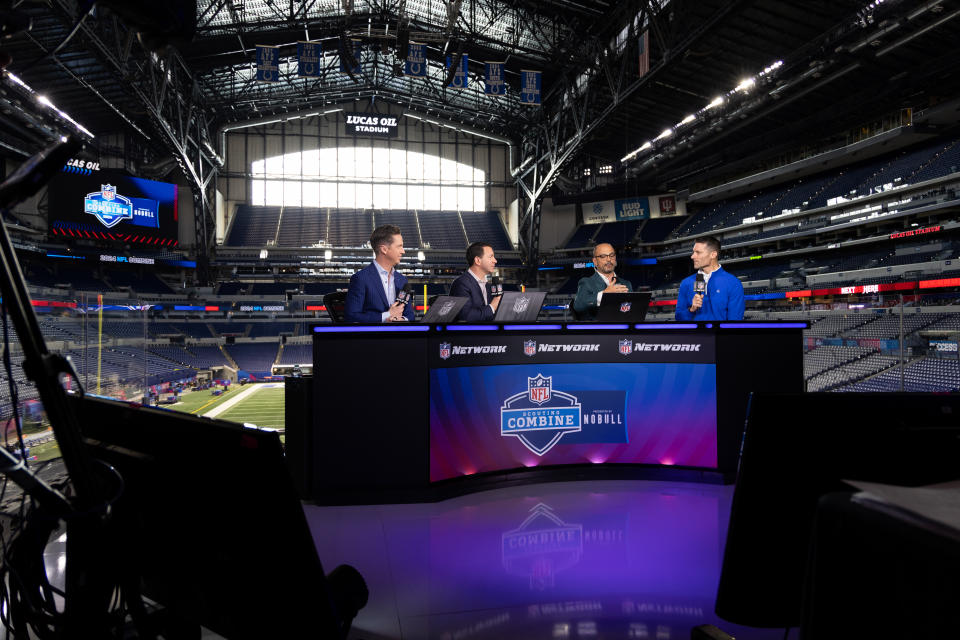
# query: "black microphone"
{"points": [[700, 285], [496, 287], [405, 295]]}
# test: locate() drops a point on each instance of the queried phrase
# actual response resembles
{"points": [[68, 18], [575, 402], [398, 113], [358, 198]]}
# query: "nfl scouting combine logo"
{"points": [[108, 206], [540, 416]]}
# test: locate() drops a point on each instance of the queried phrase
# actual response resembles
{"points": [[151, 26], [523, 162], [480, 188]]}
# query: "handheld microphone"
{"points": [[496, 287], [700, 285], [404, 295]]}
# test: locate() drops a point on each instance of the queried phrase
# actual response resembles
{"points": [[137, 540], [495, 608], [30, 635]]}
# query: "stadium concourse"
{"points": [[201, 178]]}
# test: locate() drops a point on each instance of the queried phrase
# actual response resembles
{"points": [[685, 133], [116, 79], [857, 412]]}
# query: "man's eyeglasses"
{"points": [[605, 256]]}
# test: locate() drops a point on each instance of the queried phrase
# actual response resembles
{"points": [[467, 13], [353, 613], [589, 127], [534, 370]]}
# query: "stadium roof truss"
{"points": [[662, 90]]}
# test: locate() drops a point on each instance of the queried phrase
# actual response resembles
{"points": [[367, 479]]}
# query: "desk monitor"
{"points": [[624, 307], [520, 306], [211, 523], [444, 310]]}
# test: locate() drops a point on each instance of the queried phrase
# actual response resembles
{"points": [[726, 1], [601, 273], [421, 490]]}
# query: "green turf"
{"points": [[263, 408], [200, 402]]}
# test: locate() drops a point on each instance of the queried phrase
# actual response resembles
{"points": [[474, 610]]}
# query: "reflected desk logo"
{"points": [[445, 308], [540, 416], [541, 546], [521, 304]]}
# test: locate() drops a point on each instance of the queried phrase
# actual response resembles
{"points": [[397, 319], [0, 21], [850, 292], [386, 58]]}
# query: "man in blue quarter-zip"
{"points": [[711, 293]]}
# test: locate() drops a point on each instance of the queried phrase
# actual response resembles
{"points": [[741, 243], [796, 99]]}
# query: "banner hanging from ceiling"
{"points": [[493, 79], [268, 69], [416, 63], [459, 80], [530, 83], [308, 59]]}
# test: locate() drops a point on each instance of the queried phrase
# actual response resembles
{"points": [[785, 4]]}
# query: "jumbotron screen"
{"points": [[113, 206]]}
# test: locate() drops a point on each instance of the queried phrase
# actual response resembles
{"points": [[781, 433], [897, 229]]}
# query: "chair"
{"points": [[335, 302]]}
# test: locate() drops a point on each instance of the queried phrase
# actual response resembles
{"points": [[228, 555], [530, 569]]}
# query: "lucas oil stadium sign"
{"points": [[372, 125]]}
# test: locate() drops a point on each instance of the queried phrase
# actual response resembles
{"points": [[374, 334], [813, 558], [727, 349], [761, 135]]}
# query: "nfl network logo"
{"points": [[626, 347], [444, 350], [539, 388], [529, 347], [624, 307], [521, 304]]}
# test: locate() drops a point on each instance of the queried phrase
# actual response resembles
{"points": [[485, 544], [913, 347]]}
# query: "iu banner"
{"points": [[308, 59], [267, 64], [493, 79], [350, 55], [530, 82], [459, 80], [416, 64]]}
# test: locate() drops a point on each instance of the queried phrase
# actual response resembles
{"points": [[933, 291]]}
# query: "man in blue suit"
{"points": [[722, 298], [372, 295], [481, 306]]}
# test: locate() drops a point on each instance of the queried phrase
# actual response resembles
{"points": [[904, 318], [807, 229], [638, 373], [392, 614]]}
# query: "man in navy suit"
{"points": [[481, 305], [372, 295]]}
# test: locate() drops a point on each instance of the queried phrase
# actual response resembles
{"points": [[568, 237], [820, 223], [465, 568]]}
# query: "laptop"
{"points": [[443, 310], [520, 306], [624, 307]]}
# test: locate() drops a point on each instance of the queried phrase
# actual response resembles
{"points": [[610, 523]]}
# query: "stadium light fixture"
{"points": [[328, 255], [716, 102], [666, 133], [420, 256], [690, 118], [745, 85]]}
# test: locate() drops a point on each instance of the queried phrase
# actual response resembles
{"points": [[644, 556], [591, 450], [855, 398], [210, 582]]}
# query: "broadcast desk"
{"points": [[403, 408]]}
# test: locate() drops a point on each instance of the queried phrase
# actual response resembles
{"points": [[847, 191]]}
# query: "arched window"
{"points": [[365, 177]]}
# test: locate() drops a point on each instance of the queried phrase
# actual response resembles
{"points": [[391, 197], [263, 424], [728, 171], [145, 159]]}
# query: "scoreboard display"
{"points": [[113, 206]]}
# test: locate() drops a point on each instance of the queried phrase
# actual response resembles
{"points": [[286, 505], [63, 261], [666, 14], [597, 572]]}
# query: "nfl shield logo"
{"points": [[538, 389], [108, 192], [626, 347], [521, 304], [445, 309], [529, 347], [444, 350], [624, 307]]}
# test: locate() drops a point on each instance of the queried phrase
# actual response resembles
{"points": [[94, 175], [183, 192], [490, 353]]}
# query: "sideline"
{"points": [[220, 408]]}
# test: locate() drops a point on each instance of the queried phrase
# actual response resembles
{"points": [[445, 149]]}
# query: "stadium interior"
{"points": [[819, 141]]}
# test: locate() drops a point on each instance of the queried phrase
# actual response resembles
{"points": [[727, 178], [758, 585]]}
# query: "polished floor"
{"points": [[604, 559]]}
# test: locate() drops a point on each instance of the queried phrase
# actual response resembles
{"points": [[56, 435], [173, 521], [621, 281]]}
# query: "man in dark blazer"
{"points": [[372, 295], [590, 290], [481, 306]]}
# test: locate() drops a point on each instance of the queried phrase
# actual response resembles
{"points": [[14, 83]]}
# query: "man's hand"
{"points": [[396, 312], [697, 303], [613, 287], [495, 303]]}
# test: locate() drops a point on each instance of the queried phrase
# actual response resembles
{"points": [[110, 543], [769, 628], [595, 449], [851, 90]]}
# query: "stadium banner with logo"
{"points": [[530, 84], [613, 399], [371, 125], [268, 69], [460, 78], [632, 208], [416, 62], [308, 59], [350, 56], [666, 204], [595, 212], [493, 83]]}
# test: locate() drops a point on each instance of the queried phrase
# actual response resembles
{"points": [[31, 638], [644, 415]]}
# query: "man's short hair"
{"points": [[712, 244], [383, 235], [475, 250]]}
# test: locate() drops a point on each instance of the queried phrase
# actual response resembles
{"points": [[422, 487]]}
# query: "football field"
{"points": [[260, 404]]}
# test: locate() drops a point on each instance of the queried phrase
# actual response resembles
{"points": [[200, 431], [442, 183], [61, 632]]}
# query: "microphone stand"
{"points": [[91, 571]]}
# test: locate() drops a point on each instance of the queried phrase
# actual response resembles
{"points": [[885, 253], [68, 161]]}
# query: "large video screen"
{"points": [[501, 417], [108, 205]]}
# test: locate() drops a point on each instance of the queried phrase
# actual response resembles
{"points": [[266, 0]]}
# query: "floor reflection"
{"points": [[624, 559]]}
